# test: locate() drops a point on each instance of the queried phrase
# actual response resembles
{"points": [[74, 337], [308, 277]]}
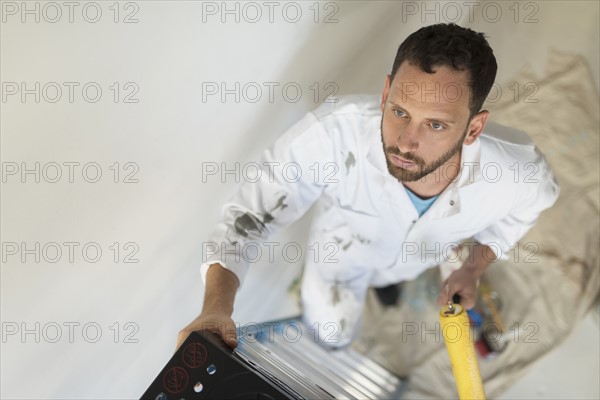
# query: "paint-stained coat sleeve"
{"points": [[288, 185], [537, 193]]}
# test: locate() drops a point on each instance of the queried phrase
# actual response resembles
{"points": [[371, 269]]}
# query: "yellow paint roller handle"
{"points": [[458, 336]]}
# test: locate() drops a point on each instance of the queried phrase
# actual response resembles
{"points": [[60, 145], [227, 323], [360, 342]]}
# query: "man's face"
{"points": [[425, 121]]}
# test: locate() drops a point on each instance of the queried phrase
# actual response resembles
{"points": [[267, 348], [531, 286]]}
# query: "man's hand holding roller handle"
{"points": [[222, 285]]}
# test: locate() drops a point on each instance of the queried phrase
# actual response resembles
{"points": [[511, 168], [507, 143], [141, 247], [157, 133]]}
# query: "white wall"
{"points": [[168, 135]]}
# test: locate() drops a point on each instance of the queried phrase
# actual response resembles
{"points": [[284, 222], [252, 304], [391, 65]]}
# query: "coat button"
{"points": [[451, 202]]}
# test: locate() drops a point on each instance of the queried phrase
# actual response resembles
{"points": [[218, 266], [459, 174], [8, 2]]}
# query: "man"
{"points": [[416, 173]]}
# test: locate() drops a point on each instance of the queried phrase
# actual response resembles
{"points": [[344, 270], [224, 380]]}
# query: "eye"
{"points": [[437, 126], [399, 113]]}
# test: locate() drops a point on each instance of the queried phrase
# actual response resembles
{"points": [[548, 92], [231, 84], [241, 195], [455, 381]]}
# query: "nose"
{"points": [[407, 139]]}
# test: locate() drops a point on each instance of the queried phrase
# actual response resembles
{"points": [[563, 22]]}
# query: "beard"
{"points": [[422, 168]]}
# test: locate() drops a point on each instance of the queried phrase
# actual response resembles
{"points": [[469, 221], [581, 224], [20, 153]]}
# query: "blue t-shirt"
{"points": [[421, 205]]}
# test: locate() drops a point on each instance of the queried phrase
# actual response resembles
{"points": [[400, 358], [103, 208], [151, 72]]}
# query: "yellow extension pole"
{"points": [[457, 334]]}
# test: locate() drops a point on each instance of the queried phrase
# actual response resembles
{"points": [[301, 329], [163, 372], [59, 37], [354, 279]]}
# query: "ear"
{"points": [[476, 126], [386, 91]]}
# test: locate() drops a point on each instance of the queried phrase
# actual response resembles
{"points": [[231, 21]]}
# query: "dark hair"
{"points": [[456, 47]]}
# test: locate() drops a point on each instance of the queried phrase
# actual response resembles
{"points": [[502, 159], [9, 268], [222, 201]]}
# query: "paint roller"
{"points": [[458, 335]]}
